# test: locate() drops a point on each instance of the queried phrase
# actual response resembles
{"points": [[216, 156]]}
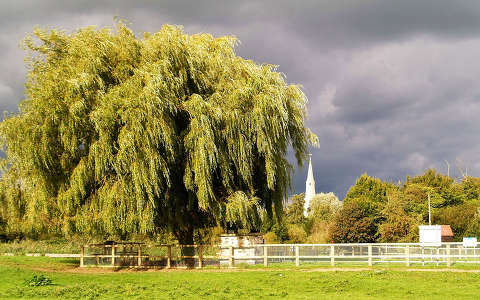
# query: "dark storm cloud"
{"points": [[392, 85]]}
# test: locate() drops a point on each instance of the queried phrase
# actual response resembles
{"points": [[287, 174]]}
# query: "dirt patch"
{"points": [[442, 270], [72, 268], [228, 270]]}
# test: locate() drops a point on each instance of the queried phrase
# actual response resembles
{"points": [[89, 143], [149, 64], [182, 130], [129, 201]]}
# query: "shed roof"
{"points": [[447, 230]]}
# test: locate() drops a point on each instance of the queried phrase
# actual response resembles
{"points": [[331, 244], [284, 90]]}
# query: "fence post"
{"points": [[449, 258], [407, 255], [82, 254], [423, 256], [169, 256], [200, 256], [139, 262], [265, 255], [332, 255], [113, 254], [370, 255], [297, 256], [232, 253]]}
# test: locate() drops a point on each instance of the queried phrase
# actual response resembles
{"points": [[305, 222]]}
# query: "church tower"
{"points": [[309, 186]]}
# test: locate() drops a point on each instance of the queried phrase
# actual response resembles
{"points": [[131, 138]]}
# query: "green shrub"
{"points": [[296, 234], [319, 233], [354, 223], [38, 280], [271, 238]]}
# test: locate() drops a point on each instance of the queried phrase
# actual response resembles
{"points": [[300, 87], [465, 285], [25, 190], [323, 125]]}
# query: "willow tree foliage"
{"points": [[120, 134]]}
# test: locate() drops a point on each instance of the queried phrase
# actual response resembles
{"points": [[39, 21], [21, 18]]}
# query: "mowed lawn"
{"points": [[68, 281]]}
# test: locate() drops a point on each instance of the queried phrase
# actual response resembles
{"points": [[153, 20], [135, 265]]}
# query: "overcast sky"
{"points": [[392, 85]]}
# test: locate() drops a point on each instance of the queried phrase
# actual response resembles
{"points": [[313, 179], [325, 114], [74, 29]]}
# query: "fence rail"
{"points": [[170, 256]]}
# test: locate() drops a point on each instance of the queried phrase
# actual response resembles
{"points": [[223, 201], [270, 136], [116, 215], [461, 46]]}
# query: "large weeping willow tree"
{"points": [[120, 135]]}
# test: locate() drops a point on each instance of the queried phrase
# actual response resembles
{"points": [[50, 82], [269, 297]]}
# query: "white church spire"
{"points": [[309, 186]]}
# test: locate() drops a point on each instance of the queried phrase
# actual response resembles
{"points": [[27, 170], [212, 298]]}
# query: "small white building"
{"points": [[434, 235], [430, 235], [243, 247]]}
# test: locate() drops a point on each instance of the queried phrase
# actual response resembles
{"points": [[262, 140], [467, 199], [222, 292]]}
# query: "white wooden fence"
{"points": [[370, 254], [168, 256]]}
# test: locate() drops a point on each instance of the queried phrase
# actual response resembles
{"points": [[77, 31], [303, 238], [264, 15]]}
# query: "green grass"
{"points": [[44, 246], [363, 265], [69, 282]]}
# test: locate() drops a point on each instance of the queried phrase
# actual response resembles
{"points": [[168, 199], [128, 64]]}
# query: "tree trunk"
{"points": [[185, 237]]}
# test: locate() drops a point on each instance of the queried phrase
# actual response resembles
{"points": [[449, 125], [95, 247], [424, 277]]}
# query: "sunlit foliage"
{"points": [[324, 206], [120, 134], [294, 212]]}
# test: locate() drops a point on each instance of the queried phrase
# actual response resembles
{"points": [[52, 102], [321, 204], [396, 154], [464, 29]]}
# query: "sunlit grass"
{"points": [[245, 282]]}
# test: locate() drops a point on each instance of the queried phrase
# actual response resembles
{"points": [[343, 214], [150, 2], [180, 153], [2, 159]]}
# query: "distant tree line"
{"points": [[377, 211]]}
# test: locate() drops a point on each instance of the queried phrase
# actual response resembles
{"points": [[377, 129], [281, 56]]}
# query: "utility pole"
{"points": [[448, 168], [429, 211]]}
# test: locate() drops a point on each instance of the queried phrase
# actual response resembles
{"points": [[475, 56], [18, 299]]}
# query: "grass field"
{"points": [[69, 281]]}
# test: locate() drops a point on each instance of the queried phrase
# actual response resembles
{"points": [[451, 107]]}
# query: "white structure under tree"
{"points": [[309, 186]]}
